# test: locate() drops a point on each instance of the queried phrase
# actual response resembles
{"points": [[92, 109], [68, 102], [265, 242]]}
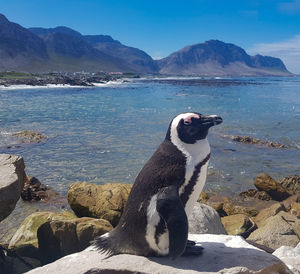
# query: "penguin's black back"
{"points": [[166, 167]]}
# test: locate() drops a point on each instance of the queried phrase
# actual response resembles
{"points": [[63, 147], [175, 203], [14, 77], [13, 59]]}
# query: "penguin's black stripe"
{"points": [[188, 189]]}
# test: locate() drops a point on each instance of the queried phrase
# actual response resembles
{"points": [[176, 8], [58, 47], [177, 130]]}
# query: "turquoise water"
{"points": [[106, 134]]}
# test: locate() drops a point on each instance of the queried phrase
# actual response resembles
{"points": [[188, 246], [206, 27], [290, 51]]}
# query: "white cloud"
{"points": [[290, 7], [288, 51]]}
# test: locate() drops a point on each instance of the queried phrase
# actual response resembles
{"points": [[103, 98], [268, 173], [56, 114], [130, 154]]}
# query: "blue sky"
{"points": [[268, 27]]}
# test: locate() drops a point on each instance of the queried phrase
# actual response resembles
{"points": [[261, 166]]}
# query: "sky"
{"points": [[160, 27]]}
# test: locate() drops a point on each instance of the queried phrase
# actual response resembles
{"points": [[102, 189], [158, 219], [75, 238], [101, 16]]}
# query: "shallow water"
{"points": [[106, 134]]}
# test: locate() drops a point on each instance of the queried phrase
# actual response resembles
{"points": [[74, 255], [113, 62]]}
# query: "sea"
{"points": [[107, 133]]}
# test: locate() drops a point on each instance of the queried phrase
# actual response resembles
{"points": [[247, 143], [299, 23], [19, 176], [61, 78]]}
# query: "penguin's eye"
{"points": [[187, 121]]}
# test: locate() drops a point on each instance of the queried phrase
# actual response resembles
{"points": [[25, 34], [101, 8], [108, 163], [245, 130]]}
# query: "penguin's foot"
{"points": [[192, 249]]}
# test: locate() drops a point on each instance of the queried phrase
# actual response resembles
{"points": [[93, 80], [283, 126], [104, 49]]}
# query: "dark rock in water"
{"points": [[254, 141], [291, 184], [254, 193], [264, 182], [34, 190], [29, 136]]}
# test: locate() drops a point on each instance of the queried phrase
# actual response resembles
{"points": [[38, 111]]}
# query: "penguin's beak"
{"points": [[210, 120]]}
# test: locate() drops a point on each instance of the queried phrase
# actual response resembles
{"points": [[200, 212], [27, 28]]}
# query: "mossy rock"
{"points": [[25, 241], [99, 201]]}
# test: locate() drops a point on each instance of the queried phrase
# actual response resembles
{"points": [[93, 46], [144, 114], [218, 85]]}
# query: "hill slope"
{"points": [[214, 57]]}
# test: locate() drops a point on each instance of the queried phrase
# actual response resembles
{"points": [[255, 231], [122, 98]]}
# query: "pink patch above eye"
{"points": [[188, 120]]}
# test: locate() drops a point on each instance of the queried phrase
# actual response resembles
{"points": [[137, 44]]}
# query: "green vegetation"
{"points": [[15, 75]]}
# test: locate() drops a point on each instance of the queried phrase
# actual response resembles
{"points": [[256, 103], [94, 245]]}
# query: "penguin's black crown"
{"points": [[192, 126]]}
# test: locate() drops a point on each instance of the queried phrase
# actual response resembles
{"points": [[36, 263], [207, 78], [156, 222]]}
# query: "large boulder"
{"points": [[290, 256], [238, 224], [25, 241], [265, 182], [276, 231], [58, 238], [99, 201], [205, 220], [222, 254], [12, 179], [264, 214]]}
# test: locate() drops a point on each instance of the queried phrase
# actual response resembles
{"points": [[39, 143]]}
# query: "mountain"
{"points": [[66, 50], [19, 48], [135, 58], [217, 58], [69, 51]]}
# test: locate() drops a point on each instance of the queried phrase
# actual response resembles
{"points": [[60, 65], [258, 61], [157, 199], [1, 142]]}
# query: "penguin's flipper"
{"points": [[171, 210]]}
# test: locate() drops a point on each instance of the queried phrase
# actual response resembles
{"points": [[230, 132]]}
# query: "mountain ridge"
{"points": [[64, 49]]}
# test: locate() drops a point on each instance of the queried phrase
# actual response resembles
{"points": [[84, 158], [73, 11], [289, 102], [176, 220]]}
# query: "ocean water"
{"points": [[107, 133]]}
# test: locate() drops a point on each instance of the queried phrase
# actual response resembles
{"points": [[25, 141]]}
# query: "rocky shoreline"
{"points": [[61, 79], [267, 217]]}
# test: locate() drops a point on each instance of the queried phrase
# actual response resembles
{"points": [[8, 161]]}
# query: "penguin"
{"points": [[155, 219]]}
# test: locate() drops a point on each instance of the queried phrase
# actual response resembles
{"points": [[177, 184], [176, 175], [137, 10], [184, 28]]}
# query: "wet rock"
{"points": [[34, 190], [238, 224], [264, 182], [29, 136], [291, 184], [277, 231], [12, 178], [223, 254], [290, 256], [254, 193], [266, 213], [58, 238], [205, 220], [25, 241], [254, 141], [99, 201]]}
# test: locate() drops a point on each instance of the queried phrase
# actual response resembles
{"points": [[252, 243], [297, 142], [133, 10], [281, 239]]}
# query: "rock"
{"points": [[34, 190], [238, 224], [25, 241], [203, 197], [99, 201], [254, 141], [58, 238], [254, 193], [205, 220], [276, 231], [296, 228], [264, 182], [287, 203], [290, 256], [12, 178], [29, 136], [291, 184], [14, 265], [222, 254], [264, 214], [295, 210], [239, 207], [217, 202]]}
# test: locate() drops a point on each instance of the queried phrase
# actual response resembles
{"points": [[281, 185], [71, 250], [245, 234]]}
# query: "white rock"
{"points": [[12, 179], [290, 256], [222, 254], [205, 220]]}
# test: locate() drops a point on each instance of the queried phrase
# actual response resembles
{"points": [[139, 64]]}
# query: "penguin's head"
{"points": [[191, 127]]}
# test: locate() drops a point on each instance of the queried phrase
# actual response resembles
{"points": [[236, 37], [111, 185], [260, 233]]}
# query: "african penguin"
{"points": [[154, 221]]}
